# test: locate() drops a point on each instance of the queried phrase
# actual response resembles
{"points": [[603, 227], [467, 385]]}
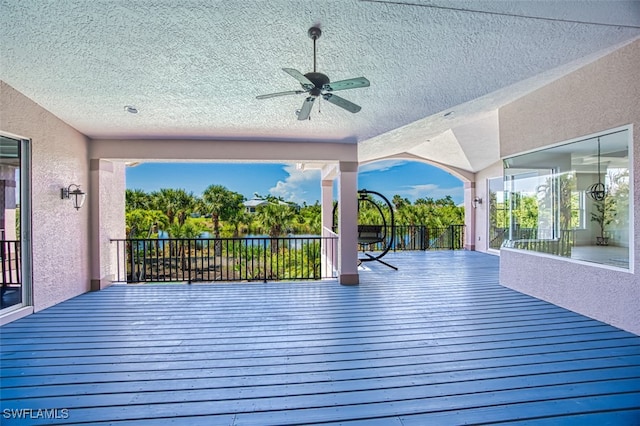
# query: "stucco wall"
{"points": [[598, 97], [60, 233]]}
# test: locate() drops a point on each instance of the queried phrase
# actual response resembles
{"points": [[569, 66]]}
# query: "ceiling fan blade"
{"points": [[306, 83], [352, 83], [304, 112], [274, 95], [341, 102]]}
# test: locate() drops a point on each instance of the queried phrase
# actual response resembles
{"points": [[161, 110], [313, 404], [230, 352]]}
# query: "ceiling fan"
{"points": [[316, 84]]}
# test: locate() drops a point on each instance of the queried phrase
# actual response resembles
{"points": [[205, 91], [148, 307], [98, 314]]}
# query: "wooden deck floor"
{"points": [[437, 342]]}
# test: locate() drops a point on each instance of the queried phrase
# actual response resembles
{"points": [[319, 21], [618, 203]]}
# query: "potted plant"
{"points": [[604, 214]]}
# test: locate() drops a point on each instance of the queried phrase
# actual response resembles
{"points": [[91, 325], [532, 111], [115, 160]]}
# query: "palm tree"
{"points": [[312, 216], [238, 218], [137, 199], [222, 204], [175, 203], [276, 218], [141, 223], [399, 202]]}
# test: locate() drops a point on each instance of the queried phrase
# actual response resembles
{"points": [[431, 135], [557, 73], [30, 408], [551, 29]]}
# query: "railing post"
{"points": [[395, 234], [2, 259], [264, 267], [132, 263], [188, 253], [452, 237]]}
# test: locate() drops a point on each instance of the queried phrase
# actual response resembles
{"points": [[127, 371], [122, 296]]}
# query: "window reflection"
{"points": [[10, 259], [552, 208]]}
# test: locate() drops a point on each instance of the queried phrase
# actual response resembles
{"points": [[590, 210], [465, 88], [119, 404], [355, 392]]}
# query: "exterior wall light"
{"points": [[476, 201], [73, 192]]}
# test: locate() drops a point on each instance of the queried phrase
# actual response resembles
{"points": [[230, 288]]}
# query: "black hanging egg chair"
{"points": [[371, 235]]}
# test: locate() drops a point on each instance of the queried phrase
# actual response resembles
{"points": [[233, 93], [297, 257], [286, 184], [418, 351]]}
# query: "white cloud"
{"points": [[381, 166], [296, 187], [431, 190]]}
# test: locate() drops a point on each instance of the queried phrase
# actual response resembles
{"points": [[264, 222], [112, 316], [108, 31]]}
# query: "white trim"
{"points": [[26, 246], [15, 314], [12, 135], [628, 127], [570, 260], [632, 207]]}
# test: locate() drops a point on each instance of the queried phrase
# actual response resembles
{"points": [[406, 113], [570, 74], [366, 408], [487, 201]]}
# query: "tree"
{"points": [[614, 205], [399, 202], [189, 230], [312, 218], [175, 203], [137, 199], [276, 218], [143, 223], [239, 217], [222, 204]]}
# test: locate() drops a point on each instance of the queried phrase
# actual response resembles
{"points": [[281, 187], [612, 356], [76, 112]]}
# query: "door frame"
{"points": [[19, 310]]}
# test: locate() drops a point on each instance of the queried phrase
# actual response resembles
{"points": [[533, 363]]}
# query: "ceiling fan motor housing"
{"points": [[319, 80]]}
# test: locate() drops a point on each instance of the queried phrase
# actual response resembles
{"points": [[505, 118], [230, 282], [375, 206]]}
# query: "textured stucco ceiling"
{"points": [[193, 68]]}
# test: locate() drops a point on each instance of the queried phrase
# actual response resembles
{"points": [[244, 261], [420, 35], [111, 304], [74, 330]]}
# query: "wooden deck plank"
{"points": [[435, 341], [374, 403], [423, 385], [318, 372], [599, 367], [525, 314], [266, 339], [300, 364], [246, 351]]}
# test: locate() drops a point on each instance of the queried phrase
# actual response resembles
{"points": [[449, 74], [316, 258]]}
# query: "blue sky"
{"points": [[409, 179]]}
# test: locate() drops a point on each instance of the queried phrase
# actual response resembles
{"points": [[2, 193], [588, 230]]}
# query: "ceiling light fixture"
{"points": [[597, 191]]}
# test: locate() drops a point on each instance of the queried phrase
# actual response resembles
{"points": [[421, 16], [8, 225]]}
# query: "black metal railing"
{"points": [[497, 236], [420, 237], [225, 259], [10, 273], [534, 240], [10, 260]]}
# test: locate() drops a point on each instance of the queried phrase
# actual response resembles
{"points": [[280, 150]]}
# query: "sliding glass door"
{"points": [[14, 223]]}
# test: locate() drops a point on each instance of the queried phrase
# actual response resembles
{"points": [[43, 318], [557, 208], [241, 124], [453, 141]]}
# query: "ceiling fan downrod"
{"points": [[314, 33]]}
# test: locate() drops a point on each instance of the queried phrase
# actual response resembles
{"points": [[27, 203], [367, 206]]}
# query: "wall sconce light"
{"points": [[476, 201], [75, 194]]}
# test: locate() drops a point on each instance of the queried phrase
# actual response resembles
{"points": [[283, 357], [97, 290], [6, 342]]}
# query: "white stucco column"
{"points": [[348, 223], [106, 196], [327, 203], [470, 214], [329, 247]]}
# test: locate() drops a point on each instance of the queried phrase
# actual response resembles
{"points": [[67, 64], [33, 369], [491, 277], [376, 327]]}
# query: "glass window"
{"points": [[578, 210], [498, 213], [10, 248], [572, 200]]}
